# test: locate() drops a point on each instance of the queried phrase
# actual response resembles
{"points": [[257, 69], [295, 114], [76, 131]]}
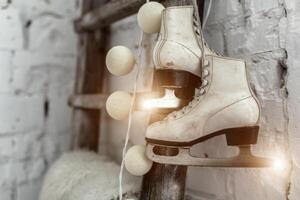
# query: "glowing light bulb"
{"points": [[168, 101], [279, 164], [149, 104]]}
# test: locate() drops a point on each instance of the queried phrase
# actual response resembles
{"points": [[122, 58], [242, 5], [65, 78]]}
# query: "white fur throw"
{"points": [[85, 175]]}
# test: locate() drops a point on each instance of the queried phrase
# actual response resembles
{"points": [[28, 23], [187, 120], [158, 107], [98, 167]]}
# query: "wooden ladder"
{"points": [[163, 182]]}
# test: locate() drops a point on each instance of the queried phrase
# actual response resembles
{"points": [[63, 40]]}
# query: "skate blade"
{"points": [[243, 160]]}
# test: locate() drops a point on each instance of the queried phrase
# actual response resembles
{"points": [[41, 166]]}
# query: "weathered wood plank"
{"points": [[88, 101], [118, 9], [164, 181], [107, 14]]}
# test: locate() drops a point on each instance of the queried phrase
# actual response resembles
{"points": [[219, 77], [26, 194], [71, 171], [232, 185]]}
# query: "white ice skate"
{"points": [[223, 104]]}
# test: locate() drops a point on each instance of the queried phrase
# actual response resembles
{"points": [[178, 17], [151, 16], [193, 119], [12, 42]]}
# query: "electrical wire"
{"points": [[138, 64], [207, 14], [130, 116]]}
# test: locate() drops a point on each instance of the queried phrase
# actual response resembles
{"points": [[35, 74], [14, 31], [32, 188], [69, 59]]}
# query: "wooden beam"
{"points": [[88, 101], [107, 14], [115, 10]]}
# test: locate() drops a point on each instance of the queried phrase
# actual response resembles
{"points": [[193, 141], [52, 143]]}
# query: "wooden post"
{"points": [[89, 76], [166, 182]]}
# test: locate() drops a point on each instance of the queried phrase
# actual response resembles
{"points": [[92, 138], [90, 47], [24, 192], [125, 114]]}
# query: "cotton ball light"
{"points": [[118, 105], [120, 60], [149, 17], [136, 161]]}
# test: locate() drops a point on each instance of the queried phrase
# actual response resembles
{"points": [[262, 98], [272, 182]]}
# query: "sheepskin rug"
{"points": [[84, 175]]}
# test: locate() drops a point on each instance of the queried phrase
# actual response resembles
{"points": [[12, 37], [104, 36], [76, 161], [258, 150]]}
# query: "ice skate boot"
{"points": [[223, 105], [177, 55]]}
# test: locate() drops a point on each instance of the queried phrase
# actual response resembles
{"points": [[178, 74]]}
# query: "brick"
{"points": [[20, 113], [249, 184], [294, 145], [11, 35], [29, 191], [6, 194], [25, 171], [5, 179], [215, 181], [4, 3], [273, 117], [67, 8], [234, 37], [263, 6], [294, 93], [18, 172], [37, 73], [27, 145], [60, 114], [51, 147], [6, 147], [34, 8], [265, 74], [260, 35], [6, 71], [295, 186], [35, 168], [214, 37], [293, 109], [52, 36], [223, 10], [283, 32]]}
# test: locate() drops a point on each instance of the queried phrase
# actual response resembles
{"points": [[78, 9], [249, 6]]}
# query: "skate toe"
{"points": [[156, 130]]}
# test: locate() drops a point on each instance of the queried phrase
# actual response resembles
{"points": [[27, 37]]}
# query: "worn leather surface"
{"points": [[177, 46], [227, 103]]}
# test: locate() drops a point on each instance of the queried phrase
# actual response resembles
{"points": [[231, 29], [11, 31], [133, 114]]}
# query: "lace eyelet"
{"points": [[206, 63], [205, 73], [205, 82], [202, 91]]}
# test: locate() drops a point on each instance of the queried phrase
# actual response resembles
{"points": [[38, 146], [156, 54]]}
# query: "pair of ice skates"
{"points": [[223, 102]]}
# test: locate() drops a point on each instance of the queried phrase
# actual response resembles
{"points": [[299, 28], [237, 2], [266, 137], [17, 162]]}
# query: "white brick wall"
{"points": [[37, 66]]}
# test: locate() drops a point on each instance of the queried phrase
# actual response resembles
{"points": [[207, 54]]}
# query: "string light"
{"points": [[168, 101], [279, 164]]}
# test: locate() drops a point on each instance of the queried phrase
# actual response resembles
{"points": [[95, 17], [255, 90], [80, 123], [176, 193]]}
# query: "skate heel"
{"points": [[242, 136], [183, 82]]}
